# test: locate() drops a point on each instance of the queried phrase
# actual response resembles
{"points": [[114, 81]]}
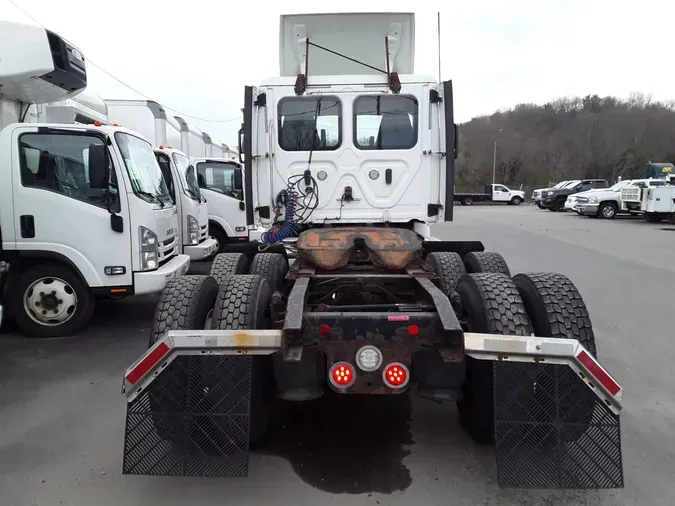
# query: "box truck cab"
{"points": [[151, 120], [221, 182], [84, 209]]}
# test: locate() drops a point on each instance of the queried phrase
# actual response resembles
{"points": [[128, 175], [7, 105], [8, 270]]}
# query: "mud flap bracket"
{"points": [[556, 413]]}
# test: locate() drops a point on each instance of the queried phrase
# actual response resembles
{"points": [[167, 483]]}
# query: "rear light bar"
{"points": [[480, 346]]}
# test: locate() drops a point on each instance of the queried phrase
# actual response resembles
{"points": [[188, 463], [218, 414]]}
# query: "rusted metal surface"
{"points": [[333, 248]]}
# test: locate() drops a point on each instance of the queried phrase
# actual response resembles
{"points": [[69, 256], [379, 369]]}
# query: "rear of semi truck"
{"points": [[348, 163]]}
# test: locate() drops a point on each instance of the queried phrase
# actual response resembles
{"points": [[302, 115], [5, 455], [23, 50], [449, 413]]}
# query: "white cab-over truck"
{"points": [[220, 179], [150, 119], [84, 210], [349, 160]]}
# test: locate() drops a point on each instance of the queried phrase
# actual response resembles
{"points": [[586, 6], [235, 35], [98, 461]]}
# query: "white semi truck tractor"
{"points": [[150, 118], [84, 209], [349, 160]]}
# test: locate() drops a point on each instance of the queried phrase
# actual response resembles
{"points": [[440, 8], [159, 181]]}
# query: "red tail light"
{"points": [[396, 375], [342, 375]]}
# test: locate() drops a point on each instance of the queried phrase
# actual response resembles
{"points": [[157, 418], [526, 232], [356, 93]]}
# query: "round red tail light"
{"points": [[396, 375], [342, 375]]}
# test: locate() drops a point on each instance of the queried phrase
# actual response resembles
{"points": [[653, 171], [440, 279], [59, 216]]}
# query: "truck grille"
{"points": [[544, 193], [203, 232], [167, 249], [582, 200]]}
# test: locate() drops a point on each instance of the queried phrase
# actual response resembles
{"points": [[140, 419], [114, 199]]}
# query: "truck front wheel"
{"points": [[50, 300], [608, 210]]}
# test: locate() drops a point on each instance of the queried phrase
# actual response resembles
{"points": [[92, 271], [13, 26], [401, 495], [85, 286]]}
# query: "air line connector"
{"points": [[308, 178]]}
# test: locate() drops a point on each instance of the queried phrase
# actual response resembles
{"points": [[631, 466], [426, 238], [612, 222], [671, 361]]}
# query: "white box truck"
{"points": [[84, 209], [220, 180], [150, 119]]}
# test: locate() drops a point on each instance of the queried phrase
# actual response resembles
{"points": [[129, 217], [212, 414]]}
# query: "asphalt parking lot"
{"points": [[62, 413]]}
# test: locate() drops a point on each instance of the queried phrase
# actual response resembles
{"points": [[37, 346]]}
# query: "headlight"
{"points": [[193, 230], [593, 200], [149, 249]]}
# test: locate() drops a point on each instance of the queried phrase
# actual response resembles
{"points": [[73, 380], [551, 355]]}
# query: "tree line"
{"points": [[568, 138]]}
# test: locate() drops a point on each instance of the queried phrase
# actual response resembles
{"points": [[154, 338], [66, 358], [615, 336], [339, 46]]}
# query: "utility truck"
{"points": [[84, 210], [349, 160], [633, 196], [150, 119]]}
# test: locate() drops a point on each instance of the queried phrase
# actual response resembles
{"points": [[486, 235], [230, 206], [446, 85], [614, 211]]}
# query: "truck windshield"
{"points": [[189, 176], [146, 177], [219, 177]]}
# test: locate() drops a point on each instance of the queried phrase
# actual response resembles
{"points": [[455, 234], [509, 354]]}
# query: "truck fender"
{"points": [[81, 267], [224, 225]]}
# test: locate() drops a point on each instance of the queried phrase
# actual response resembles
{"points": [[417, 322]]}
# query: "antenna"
{"points": [[439, 48]]}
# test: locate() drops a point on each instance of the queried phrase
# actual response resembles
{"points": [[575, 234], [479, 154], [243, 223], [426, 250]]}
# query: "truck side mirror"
{"points": [[238, 179], [240, 144], [98, 166]]}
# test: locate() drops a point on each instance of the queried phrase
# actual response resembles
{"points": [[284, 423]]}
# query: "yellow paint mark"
{"points": [[244, 340]]}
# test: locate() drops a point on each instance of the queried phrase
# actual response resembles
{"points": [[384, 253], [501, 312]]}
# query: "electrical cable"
{"points": [[238, 118]]}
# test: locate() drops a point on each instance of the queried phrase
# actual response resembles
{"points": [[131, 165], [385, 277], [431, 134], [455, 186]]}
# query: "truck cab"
{"points": [[363, 143], [151, 119], [84, 209], [220, 180]]}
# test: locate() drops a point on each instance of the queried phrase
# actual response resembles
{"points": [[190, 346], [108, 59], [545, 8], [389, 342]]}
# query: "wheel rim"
{"points": [[217, 242], [608, 211], [50, 301]]}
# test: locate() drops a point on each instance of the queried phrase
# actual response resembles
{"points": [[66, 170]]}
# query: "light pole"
{"points": [[494, 157]]}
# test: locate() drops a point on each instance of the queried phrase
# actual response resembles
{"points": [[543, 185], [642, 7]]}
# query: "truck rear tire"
{"points": [[556, 309], [50, 300], [467, 201], [243, 303], [273, 267], [485, 261], [449, 268], [491, 305], [228, 264], [184, 304]]}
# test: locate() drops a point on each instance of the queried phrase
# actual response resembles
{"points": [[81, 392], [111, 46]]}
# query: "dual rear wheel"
{"points": [[493, 302]]}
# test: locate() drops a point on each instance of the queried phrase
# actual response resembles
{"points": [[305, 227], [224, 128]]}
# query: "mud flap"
{"points": [[552, 430], [192, 419]]}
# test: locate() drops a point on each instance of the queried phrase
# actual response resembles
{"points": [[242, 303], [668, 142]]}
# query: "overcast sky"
{"points": [[196, 56]]}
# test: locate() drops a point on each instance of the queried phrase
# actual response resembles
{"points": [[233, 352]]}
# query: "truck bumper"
{"points": [[202, 250], [588, 209], [154, 281], [534, 379]]}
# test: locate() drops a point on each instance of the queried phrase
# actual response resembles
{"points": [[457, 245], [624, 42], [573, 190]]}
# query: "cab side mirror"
{"points": [[238, 179], [99, 166], [241, 145]]}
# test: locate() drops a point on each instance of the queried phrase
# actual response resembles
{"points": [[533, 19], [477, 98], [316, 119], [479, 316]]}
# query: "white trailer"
{"points": [[658, 203], [150, 119], [84, 209], [349, 160]]}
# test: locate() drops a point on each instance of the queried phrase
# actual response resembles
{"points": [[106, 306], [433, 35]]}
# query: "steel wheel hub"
{"points": [[50, 301]]}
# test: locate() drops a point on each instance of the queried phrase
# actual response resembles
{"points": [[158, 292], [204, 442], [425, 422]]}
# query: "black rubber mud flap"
{"points": [[192, 418], [205, 420], [544, 435]]}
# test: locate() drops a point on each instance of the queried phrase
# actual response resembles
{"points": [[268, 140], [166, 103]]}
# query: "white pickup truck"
{"points": [[607, 203]]}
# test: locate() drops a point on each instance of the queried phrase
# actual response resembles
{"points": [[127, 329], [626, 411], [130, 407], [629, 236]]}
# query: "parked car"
{"points": [[536, 194], [572, 202], [554, 199]]}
